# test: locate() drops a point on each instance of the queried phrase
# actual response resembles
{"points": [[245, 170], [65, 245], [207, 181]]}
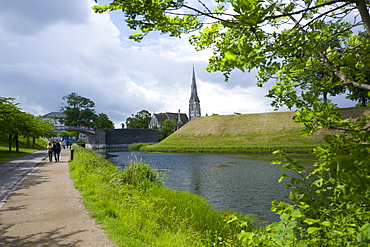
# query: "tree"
{"points": [[15, 123], [310, 49], [78, 111], [33, 127], [103, 122], [139, 120], [167, 129], [359, 95]]}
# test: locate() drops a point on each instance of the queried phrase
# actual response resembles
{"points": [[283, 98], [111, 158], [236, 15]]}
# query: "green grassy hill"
{"points": [[244, 132]]}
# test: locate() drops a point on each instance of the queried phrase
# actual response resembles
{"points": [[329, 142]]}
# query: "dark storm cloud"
{"points": [[27, 17]]}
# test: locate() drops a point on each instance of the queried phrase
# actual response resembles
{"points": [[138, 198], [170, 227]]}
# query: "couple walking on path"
{"points": [[42, 207], [54, 149]]}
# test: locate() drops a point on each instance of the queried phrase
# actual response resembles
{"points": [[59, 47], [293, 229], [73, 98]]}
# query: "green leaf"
{"points": [[283, 176], [326, 223], [311, 230], [362, 238], [296, 214], [230, 56], [310, 221]]}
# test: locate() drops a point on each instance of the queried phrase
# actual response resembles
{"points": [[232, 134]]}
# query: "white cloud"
{"points": [[216, 98], [24, 17]]}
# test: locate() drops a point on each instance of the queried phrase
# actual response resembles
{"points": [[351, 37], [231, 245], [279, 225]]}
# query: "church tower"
{"points": [[194, 103]]}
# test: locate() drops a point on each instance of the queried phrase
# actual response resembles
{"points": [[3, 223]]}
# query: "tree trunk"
{"points": [[362, 8], [16, 137], [10, 143], [325, 96], [363, 101], [33, 141]]}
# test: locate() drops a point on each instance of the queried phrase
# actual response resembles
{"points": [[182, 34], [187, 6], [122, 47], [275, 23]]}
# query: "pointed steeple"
{"points": [[194, 93], [194, 102], [179, 118]]}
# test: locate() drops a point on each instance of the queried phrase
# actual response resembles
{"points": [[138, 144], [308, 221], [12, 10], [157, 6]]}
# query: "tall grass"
{"points": [[229, 149], [137, 146], [148, 214]]}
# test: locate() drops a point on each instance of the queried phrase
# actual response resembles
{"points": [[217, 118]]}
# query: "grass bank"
{"points": [[135, 210], [263, 132]]}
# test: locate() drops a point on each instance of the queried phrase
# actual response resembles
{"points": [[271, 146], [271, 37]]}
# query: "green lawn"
{"points": [[24, 149]]}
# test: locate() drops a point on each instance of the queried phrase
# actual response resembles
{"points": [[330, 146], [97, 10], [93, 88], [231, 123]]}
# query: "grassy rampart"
{"points": [[261, 132]]}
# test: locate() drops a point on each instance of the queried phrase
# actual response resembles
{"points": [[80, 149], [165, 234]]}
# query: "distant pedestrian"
{"points": [[57, 149], [64, 144], [50, 151], [68, 144]]}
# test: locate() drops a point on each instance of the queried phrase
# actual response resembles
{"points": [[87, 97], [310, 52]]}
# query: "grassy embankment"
{"points": [[264, 132], [25, 147], [135, 210]]}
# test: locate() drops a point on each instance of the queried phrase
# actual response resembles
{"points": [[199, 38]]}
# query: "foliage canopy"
{"points": [[79, 111], [140, 120], [15, 123], [310, 49]]}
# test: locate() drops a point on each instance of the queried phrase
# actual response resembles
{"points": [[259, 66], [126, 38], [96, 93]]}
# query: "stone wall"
{"points": [[120, 138]]}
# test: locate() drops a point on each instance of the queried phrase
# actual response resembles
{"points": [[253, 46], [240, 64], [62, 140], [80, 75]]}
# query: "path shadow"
{"points": [[34, 179], [50, 238], [20, 207], [40, 154]]}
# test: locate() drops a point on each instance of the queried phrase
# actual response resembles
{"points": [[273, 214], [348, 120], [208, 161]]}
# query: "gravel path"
{"points": [[46, 210]]}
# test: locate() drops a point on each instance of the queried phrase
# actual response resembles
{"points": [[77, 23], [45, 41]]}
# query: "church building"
{"points": [[179, 118], [158, 119]]}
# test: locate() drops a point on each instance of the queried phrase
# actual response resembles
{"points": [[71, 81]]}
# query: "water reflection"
{"points": [[236, 182]]}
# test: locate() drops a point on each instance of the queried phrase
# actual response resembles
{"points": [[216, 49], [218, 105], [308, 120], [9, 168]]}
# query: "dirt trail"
{"points": [[46, 210]]}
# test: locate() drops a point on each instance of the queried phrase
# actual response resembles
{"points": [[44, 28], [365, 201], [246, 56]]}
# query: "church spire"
{"points": [[194, 102], [194, 93]]}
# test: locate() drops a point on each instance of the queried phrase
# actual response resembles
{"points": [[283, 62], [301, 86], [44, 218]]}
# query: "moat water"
{"points": [[242, 183]]}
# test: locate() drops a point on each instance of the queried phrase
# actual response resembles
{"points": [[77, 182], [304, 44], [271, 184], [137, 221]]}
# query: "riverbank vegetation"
{"points": [[230, 148], [136, 210]]}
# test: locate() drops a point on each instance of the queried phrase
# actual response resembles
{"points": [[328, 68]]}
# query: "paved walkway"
{"points": [[46, 210]]}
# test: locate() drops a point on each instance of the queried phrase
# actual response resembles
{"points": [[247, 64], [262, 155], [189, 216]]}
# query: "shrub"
{"points": [[140, 175]]}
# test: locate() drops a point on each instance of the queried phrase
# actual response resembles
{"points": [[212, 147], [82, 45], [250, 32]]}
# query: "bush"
{"points": [[140, 175]]}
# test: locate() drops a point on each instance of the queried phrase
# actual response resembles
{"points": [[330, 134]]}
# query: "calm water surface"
{"points": [[227, 181]]}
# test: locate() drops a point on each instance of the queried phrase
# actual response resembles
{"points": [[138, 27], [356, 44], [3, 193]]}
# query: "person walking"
{"points": [[50, 151], [57, 149]]}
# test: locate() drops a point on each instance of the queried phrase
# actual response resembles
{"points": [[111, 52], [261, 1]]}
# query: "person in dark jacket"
{"points": [[57, 149]]}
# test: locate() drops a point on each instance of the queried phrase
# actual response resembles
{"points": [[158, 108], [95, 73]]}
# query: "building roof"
{"points": [[53, 115], [161, 117]]}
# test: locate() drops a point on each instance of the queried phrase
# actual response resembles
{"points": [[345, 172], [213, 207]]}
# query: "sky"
{"points": [[51, 48]]}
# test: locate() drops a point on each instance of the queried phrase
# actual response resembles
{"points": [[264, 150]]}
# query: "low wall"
{"points": [[120, 138]]}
